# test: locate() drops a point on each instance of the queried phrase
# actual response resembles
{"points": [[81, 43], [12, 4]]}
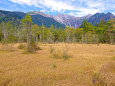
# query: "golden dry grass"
{"points": [[17, 69], [106, 75]]}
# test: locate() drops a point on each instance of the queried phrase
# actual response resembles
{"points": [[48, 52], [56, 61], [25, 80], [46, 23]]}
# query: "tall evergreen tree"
{"points": [[26, 24]]}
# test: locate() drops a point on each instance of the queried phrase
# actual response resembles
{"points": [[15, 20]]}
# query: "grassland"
{"points": [[39, 69]]}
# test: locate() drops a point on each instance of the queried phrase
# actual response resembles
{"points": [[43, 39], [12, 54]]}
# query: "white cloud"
{"points": [[113, 13], [92, 4], [27, 2], [57, 5], [54, 5], [84, 11], [43, 10], [76, 7]]}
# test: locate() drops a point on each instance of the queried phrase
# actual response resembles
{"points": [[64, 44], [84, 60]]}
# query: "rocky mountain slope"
{"points": [[59, 20], [37, 18]]}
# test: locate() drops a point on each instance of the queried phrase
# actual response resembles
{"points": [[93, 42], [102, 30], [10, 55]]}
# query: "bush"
{"points": [[52, 49], [57, 54], [60, 54], [65, 52], [33, 48], [21, 46], [54, 65]]}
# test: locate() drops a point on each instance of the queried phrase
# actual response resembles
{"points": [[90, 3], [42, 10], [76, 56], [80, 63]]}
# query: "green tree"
{"points": [[1, 33], [111, 29], [26, 24], [35, 32], [87, 31]]}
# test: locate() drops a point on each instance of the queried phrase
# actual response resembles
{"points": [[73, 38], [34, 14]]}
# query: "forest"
{"points": [[103, 32]]}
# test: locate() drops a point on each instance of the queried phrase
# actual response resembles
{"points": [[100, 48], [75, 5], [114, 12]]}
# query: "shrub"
{"points": [[65, 52], [54, 66], [21, 46], [51, 49], [61, 53], [57, 54], [33, 48]]}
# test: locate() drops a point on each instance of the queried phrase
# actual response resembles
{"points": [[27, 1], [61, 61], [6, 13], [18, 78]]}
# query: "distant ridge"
{"points": [[37, 18], [98, 16], [76, 21], [59, 20]]}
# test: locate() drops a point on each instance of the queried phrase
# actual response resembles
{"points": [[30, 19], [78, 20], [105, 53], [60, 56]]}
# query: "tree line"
{"points": [[103, 32]]}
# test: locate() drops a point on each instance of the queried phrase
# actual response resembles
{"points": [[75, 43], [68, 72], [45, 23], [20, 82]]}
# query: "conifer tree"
{"points": [[26, 24]]}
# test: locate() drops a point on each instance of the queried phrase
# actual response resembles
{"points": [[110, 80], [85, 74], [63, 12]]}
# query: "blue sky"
{"points": [[73, 7]]}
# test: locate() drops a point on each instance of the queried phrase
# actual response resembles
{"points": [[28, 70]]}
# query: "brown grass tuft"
{"points": [[32, 49], [113, 58], [106, 76], [60, 53], [7, 47], [22, 46]]}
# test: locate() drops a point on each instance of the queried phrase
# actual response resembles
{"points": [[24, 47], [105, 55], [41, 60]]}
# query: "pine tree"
{"points": [[26, 24], [111, 29]]}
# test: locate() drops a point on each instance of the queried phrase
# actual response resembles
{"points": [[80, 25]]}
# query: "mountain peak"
{"points": [[34, 12], [87, 16], [38, 13], [109, 13], [98, 16]]}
